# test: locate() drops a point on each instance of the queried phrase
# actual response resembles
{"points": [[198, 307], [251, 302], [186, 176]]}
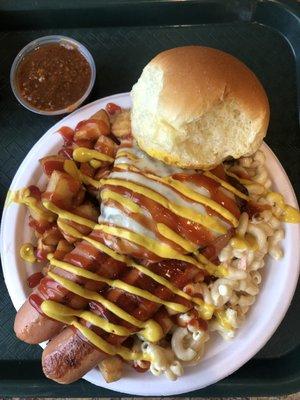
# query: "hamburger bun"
{"points": [[196, 106]]}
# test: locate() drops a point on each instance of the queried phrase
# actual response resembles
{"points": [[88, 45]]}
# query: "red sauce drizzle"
{"points": [[214, 189], [35, 192], [140, 369], [112, 108], [36, 302], [192, 231], [212, 251], [50, 165], [254, 208], [66, 152], [67, 134], [34, 279], [52, 290], [40, 227]]}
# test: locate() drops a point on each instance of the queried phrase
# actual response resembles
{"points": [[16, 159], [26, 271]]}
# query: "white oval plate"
{"points": [[221, 358]]}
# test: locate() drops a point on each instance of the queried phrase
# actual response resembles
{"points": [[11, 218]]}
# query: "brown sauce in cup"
{"points": [[53, 76]]}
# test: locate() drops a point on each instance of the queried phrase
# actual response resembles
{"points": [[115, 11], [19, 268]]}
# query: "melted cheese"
{"points": [[144, 162], [199, 198], [155, 183], [182, 211], [115, 216]]}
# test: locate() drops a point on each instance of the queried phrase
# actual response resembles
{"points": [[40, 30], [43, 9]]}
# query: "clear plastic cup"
{"points": [[48, 40]]}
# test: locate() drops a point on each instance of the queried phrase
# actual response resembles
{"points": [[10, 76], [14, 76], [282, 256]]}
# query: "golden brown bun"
{"points": [[195, 106]]}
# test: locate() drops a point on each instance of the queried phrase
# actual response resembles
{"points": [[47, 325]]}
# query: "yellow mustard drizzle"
{"points": [[226, 185], [168, 233], [22, 196], [127, 167], [164, 251], [71, 169], [59, 310], [241, 180], [165, 231], [122, 351], [151, 330], [98, 245], [68, 215], [199, 198], [118, 284], [127, 154], [189, 193], [107, 194], [289, 214], [95, 163], [67, 316], [205, 310], [155, 246], [181, 211], [27, 253], [160, 249], [217, 270], [82, 154]]}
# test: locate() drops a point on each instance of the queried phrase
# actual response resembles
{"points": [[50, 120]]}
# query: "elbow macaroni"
{"points": [[235, 298], [162, 361], [188, 344], [233, 295]]}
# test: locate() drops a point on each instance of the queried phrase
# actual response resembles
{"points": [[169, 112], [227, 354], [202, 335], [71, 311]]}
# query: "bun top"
{"points": [[195, 106]]}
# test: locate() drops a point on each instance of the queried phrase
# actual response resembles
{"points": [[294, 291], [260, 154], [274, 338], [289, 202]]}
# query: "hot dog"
{"points": [[68, 356], [34, 327]]}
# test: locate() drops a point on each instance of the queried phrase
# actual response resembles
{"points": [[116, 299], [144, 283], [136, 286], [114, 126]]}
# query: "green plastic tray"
{"points": [[123, 36]]}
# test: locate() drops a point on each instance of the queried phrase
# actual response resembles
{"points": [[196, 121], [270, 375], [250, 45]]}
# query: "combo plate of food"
{"points": [[150, 239]]}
